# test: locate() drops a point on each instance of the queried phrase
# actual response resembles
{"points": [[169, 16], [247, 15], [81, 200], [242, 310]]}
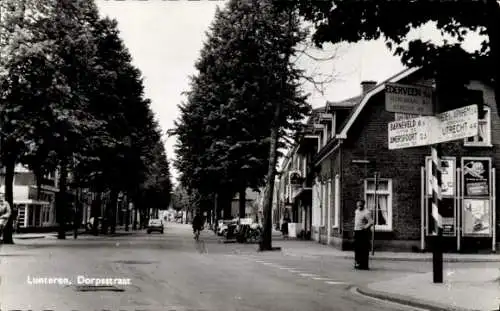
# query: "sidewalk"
{"points": [[69, 234], [309, 249], [462, 289]]}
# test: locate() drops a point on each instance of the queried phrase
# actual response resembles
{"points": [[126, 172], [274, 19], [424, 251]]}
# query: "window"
{"points": [[483, 139], [383, 219], [336, 211], [24, 179]]}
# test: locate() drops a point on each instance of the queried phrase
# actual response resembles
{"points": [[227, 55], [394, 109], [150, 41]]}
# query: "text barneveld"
{"points": [[451, 125]]}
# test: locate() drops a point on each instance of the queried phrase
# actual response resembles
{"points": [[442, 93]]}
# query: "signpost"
{"points": [[375, 211], [429, 130], [413, 99]]}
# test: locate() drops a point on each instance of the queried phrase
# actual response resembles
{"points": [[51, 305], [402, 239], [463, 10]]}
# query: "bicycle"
{"points": [[197, 234]]}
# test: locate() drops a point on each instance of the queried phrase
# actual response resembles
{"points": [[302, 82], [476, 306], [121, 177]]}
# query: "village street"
{"points": [[173, 272]]}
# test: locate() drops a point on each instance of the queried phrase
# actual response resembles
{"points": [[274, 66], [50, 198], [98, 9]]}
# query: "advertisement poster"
{"points": [[476, 217], [447, 176], [476, 177], [447, 209]]}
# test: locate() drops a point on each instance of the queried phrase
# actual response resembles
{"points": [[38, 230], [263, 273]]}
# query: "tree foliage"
{"points": [[352, 21], [224, 128], [72, 100]]}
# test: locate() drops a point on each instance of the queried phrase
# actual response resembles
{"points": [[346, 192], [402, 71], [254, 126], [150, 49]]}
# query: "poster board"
{"points": [[476, 177], [448, 192], [476, 217], [448, 214], [476, 212], [448, 168]]}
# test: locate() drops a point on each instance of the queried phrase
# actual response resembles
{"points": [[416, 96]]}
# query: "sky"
{"points": [[165, 39]]}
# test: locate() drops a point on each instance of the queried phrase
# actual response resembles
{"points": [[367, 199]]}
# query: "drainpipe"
{"points": [[341, 186]]}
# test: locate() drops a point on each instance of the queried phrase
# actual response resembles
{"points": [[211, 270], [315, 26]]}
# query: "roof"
{"points": [[314, 113], [346, 103], [375, 90]]}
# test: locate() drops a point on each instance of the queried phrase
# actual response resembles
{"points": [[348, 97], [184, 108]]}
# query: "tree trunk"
{"points": [[266, 241], [95, 212], [227, 205], [127, 213], [134, 225], [10, 165], [61, 201], [113, 204], [243, 202], [77, 218]]}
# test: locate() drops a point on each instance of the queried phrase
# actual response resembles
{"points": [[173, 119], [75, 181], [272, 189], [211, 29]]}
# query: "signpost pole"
{"points": [[375, 210], [437, 250]]}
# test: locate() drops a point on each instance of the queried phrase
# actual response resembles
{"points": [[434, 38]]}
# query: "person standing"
{"points": [[362, 224], [284, 226], [5, 212], [197, 224]]}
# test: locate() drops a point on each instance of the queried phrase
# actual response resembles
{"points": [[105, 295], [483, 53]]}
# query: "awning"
{"points": [[301, 192]]}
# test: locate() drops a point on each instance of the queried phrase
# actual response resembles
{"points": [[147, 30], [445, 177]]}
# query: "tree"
{"points": [[26, 78], [352, 21], [244, 99], [74, 55], [72, 100], [186, 200]]}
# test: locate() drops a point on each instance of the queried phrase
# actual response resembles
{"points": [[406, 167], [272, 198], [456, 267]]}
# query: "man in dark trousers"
{"points": [[362, 224], [197, 223]]}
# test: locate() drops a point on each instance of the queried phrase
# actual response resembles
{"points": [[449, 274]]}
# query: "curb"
{"points": [[408, 301], [228, 241], [430, 259], [29, 237], [408, 259]]}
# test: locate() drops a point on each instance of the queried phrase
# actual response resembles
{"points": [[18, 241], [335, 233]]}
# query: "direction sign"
{"points": [[451, 125], [456, 124], [413, 99], [409, 133]]}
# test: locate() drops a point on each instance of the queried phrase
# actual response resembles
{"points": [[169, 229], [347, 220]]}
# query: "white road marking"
{"points": [[322, 279], [308, 275], [267, 264], [334, 282]]}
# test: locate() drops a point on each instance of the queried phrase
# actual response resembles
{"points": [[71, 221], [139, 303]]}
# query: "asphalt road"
{"points": [[174, 272]]}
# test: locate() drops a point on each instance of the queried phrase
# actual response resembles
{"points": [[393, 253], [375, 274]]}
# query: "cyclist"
{"points": [[5, 212], [197, 224]]}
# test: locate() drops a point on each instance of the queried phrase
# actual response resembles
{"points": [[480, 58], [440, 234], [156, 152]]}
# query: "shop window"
{"points": [[383, 218], [483, 139]]}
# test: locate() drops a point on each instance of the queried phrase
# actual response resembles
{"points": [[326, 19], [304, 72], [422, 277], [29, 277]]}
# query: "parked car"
{"points": [[224, 224], [155, 225]]}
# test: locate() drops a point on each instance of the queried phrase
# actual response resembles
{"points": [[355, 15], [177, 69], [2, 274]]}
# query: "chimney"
{"points": [[367, 86]]}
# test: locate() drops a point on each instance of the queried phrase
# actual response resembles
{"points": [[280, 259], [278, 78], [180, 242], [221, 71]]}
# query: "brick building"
{"points": [[354, 146]]}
